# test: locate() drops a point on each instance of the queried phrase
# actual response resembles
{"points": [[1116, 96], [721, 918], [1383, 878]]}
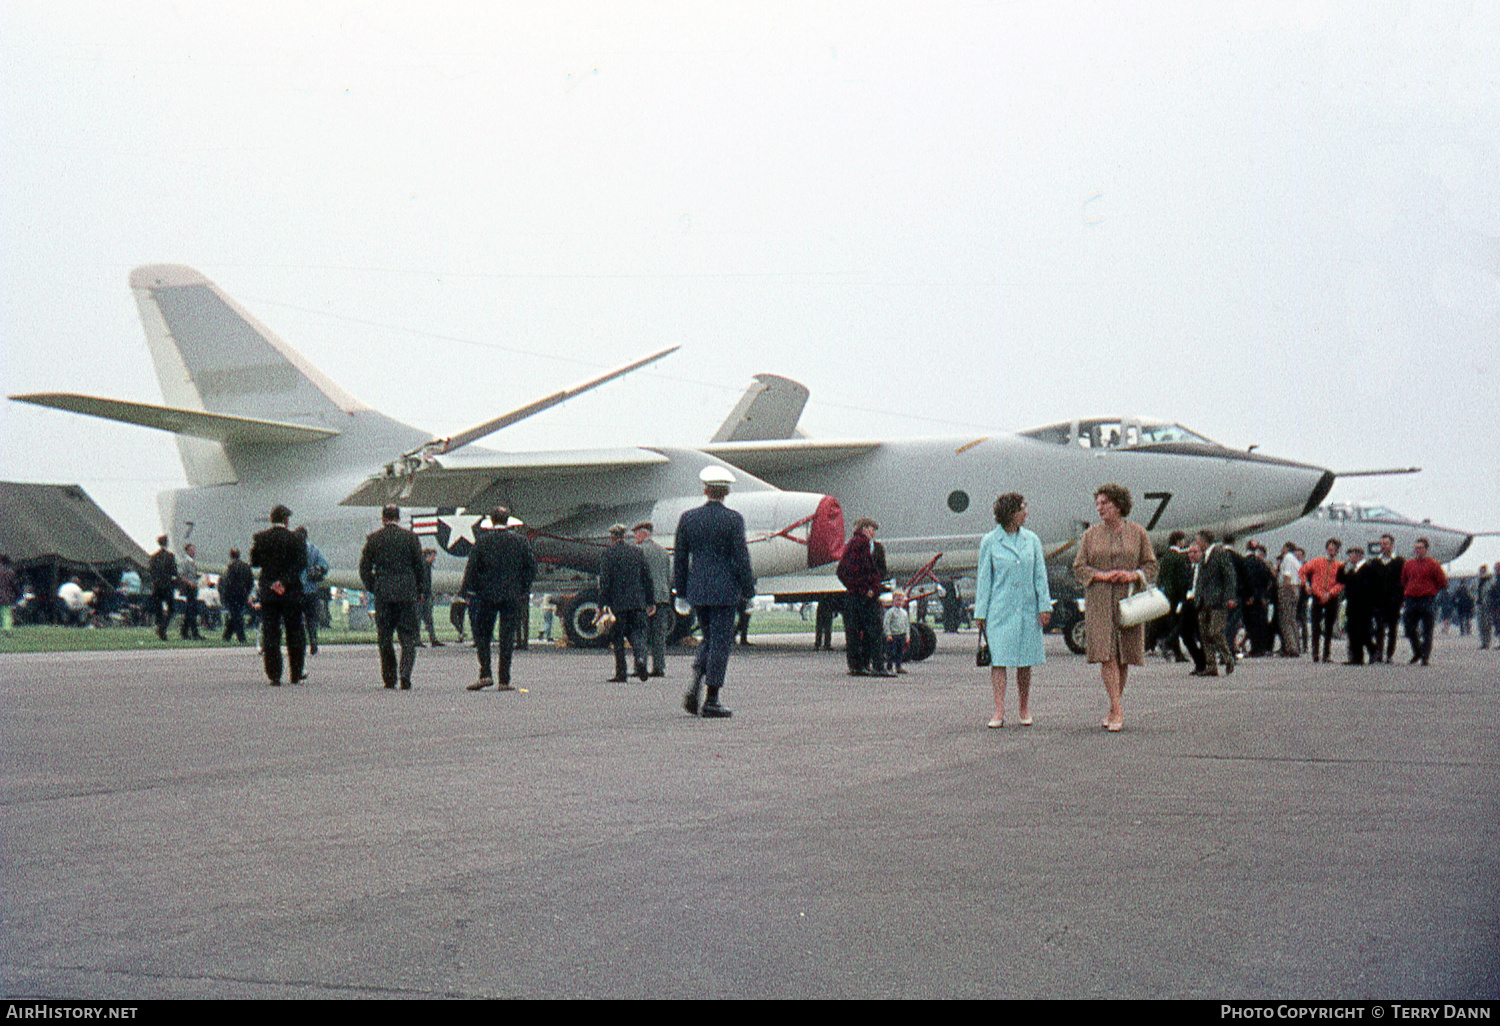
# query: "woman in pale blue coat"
{"points": [[1012, 603]]}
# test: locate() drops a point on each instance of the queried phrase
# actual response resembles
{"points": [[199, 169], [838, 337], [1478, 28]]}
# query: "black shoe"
{"points": [[391, 685], [617, 680], [275, 683], [640, 671], [690, 700], [712, 710], [406, 685], [312, 650], [436, 643]]}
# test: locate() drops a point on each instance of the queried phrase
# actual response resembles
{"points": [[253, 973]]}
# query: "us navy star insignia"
{"points": [[460, 527]]}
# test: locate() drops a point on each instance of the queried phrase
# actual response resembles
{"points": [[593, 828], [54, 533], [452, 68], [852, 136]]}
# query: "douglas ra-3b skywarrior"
{"points": [[257, 425]]}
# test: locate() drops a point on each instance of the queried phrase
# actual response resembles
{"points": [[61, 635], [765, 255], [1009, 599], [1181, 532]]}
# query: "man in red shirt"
{"points": [[1422, 580], [862, 571], [1322, 578]]}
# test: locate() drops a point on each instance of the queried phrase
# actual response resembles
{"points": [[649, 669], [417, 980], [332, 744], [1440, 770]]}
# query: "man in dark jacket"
{"points": [[1256, 590], [497, 580], [625, 589], [1173, 577], [1361, 590], [234, 590], [1216, 593], [711, 570], [281, 557], [163, 572], [1190, 637], [391, 569], [1388, 598]]}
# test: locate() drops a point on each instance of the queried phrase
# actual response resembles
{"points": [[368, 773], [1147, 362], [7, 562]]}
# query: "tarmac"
{"points": [[175, 828]]}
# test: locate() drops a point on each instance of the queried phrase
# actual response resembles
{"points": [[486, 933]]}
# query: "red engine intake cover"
{"points": [[825, 535]]}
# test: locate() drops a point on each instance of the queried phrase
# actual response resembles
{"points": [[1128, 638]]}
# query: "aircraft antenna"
{"points": [[1377, 473]]}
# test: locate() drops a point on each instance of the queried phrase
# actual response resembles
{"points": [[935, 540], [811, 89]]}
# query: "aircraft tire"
{"points": [[578, 615], [1074, 637], [921, 642]]}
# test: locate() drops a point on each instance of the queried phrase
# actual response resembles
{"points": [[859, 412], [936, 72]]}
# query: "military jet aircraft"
{"points": [[933, 497], [1358, 524], [257, 425]]}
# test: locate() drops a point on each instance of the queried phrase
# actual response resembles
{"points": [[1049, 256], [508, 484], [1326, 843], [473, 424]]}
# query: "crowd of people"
{"points": [[1296, 604], [710, 571], [1211, 595]]}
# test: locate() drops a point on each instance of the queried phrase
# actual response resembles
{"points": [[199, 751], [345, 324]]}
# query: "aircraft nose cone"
{"points": [[1319, 493], [825, 535]]}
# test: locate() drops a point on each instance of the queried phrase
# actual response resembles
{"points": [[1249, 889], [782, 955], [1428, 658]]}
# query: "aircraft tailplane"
{"points": [[215, 426]]}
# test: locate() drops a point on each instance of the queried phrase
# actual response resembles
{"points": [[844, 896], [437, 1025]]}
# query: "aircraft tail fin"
{"points": [[769, 409], [212, 356]]}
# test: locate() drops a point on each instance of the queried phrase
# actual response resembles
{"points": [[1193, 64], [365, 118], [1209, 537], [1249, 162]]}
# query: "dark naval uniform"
{"points": [[711, 570]]}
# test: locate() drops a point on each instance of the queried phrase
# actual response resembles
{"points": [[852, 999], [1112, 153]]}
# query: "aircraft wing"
{"points": [[218, 427], [765, 459], [460, 479]]}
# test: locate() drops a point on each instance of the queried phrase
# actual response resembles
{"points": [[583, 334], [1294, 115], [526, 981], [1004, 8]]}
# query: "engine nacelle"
{"points": [[786, 532]]}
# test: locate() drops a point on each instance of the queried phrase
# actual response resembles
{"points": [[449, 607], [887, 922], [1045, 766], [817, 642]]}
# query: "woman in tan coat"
{"points": [[1113, 556]]}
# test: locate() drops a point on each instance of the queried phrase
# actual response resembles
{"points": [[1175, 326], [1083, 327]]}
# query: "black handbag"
{"points": [[982, 657]]}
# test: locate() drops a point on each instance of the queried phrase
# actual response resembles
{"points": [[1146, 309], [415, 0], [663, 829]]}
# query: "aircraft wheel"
{"points": [[578, 615], [1075, 638], [921, 642]]}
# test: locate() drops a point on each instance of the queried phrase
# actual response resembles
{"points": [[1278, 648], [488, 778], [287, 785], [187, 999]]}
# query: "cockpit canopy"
{"points": [[1345, 511], [1116, 433]]}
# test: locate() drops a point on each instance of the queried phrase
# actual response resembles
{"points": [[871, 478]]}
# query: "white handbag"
{"points": [[1143, 606]]}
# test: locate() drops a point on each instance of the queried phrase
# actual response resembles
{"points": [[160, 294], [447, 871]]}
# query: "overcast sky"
{"points": [[1275, 223]]}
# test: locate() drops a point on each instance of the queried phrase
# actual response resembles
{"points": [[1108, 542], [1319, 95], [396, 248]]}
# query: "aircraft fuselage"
{"points": [[934, 496]]}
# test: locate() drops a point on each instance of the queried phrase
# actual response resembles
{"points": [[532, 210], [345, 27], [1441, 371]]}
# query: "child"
{"points": [[897, 627]]}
